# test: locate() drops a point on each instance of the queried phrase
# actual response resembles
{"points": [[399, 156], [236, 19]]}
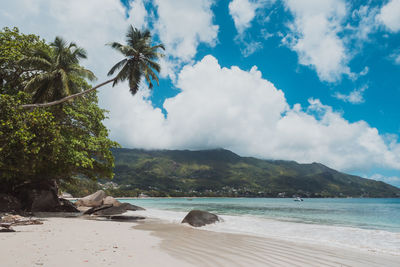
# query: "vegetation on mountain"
{"points": [[222, 173]]}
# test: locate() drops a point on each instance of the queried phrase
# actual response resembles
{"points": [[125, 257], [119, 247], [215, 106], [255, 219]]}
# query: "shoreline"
{"points": [[153, 242], [204, 247], [127, 198]]}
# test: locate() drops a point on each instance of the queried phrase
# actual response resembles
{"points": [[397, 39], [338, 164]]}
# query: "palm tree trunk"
{"points": [[42, 105]]}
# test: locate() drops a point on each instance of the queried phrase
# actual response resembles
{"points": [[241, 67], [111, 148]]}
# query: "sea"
{"points": [[361, 223]]}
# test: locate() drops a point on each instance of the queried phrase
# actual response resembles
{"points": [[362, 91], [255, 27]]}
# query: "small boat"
{"points": [[189, 199], [298, 199]]}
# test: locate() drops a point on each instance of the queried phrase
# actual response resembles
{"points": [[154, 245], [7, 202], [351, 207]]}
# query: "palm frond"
{"points": [[140, 59], [117, 66], [84, 73], [38, 80], [58, 69], [134, 80], [79, 53], [38, 63]]}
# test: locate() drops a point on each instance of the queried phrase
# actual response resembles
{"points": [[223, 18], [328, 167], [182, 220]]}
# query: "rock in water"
{"points": [[111, 211], [93, 210], [111, 201], [198, 218], [93, 200], [128, 206]]}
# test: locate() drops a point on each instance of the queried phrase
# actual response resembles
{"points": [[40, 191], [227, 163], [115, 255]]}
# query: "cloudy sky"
{"points": [[310, 80]]}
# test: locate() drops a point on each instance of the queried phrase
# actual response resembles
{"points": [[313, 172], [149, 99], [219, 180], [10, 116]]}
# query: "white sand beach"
{"points": [[80, 242]]}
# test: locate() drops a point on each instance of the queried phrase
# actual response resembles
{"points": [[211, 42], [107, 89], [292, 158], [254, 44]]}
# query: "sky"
{"points": [[310, 80]]}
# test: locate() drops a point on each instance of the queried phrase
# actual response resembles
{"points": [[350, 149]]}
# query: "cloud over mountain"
{"points": [[241, 111]]}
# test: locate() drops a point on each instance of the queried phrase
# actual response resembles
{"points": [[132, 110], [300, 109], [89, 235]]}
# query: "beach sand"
{"points": [[80, 242]]}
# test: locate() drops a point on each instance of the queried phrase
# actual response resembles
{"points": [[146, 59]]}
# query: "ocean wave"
{"points": [[311, 233]]}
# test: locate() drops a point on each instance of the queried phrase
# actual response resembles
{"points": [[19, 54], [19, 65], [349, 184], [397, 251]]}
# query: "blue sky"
{"points": [[280, 65], [304, 80]]}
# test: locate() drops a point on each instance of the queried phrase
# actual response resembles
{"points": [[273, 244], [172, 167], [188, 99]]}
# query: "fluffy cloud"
{"points": [[217, 106], [183, 24], [314, 36], [355, 97], [389, 15], [90, 23], [395, 57], [250, 48], [394, 180], [242, 12], [239, 110], [365, 19], [137, 13]]}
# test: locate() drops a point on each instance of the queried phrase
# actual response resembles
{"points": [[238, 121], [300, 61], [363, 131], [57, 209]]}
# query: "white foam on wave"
{"points": [[338, 236]]}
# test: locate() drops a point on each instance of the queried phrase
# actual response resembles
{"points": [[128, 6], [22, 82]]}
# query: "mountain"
{"points": [[220, 172]]}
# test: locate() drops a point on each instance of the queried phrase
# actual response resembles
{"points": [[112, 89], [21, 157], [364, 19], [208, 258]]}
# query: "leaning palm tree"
{"points": [[140, 61], [58, 71]]}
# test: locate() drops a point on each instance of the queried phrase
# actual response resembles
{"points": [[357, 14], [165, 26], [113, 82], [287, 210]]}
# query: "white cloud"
{"points": [[314, 36], [390, 15], [250, 48], [217, 107], [241, 111], [242, 12], [365, 16], [395, 57], [90, 23], [137, 13], [184, 24], [355, 97], [364, 71], [394, 180]]}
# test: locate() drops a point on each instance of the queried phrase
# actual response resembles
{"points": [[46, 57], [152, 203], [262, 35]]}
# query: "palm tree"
{"points": [[140, 61], [58, 71]]}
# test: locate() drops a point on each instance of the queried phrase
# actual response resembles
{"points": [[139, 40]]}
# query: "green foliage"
{"points": [[223, 173], [79, 187], [57, 71], [13, 47], [46, 144], [30, 141], [55, 143]]}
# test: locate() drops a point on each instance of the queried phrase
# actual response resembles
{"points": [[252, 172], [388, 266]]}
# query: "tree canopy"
{"points": [[140, 59], [13, 47], [54, 143], [62, 140], [57, 71]]}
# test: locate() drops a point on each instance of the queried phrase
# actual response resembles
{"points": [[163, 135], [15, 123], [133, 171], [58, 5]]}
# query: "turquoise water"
{"points": [[375, 214]]}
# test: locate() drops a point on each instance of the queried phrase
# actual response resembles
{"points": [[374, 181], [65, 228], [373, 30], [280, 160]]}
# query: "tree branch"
{"points": [[42, 105]]}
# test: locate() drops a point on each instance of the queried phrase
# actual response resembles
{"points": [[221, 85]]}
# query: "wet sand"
{"points": [[207, 248], [79, 242]]}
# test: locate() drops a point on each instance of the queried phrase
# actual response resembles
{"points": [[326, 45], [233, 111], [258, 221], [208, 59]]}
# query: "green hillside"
{"points": [[223, 173]]}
